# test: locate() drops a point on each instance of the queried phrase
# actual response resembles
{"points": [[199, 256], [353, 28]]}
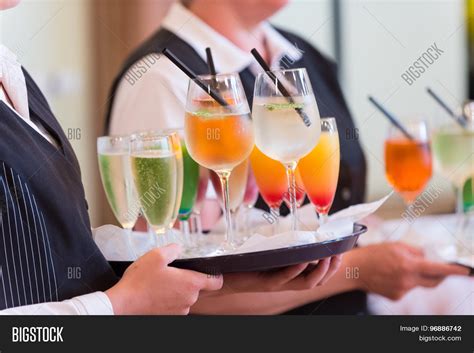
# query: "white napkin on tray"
{"points": [[112, 240]]}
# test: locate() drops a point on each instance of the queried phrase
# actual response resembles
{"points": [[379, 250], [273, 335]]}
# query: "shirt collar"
{"points": [[227, 56], [280, 47]]}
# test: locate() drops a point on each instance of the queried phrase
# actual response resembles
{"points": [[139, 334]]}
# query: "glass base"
{"points": [[191, 233], [322, 217], [158, 237], [223, 249]]}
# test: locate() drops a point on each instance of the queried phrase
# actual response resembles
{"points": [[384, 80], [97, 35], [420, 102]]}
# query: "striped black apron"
{"points": [[46, 248]]}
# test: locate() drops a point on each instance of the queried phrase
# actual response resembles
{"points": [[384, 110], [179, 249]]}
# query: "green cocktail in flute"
{"points": [[154, 169], [190, 185], [188, 180]]}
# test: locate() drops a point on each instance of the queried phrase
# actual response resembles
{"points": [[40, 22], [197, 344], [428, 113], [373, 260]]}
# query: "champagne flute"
{"points": [[408, 161], [273, 186], [219, 137], [188, 180], [320, 169], [116, 176], [190, 191], [155, 169], [452, 147], [286, 121]]}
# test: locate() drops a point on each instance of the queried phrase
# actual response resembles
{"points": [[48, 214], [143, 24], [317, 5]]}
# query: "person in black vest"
{"points": [[150, 93], [45, 229]]}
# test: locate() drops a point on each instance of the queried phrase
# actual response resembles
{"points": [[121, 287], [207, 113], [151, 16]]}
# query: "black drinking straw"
{"points": [[212, 68], [279, 85], [391, 117], [210, 62], [460, 120], [182, 66]]}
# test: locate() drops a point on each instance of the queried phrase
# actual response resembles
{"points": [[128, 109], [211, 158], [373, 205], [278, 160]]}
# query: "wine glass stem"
{"points": [[246, 220], [224, 178], [158, 235], [462, 217], [275, 213], [290, 172], [184, 228], [323, 218], [128, 236], [184, 225], [234, 214]]}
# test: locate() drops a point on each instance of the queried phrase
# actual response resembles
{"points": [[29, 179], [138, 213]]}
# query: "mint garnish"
{"points": [[281, 106], [203, 113]]}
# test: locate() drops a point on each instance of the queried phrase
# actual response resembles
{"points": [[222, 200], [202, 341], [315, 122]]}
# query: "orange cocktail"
{"points": [[219, 132], [218, 141], [320, 171], [408, 166], [271, 179]]}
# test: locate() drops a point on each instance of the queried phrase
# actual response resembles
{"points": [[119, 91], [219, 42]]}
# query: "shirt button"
{"points": [[346, 194]]}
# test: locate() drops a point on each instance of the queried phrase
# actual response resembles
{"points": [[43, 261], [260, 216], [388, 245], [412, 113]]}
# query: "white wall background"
{"points": [[381, 39], [313, 19], [52, 41]]}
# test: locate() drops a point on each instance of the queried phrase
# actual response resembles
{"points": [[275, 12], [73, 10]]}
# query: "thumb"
{"points": [[170, 252], [212, 283]]}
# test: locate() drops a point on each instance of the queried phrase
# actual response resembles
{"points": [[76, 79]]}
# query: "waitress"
{"points": [[150, 93]]}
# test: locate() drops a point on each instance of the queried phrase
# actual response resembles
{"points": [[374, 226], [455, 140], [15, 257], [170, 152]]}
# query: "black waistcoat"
{"points": [[46, 248], [323, 76]]}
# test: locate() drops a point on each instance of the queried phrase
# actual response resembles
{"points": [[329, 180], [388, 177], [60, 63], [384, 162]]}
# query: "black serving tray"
{"points": [[263, 260]]}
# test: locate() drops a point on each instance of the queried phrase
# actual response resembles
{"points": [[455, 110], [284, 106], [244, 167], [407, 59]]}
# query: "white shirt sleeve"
{"points": [[97, 303], [154, 101]]}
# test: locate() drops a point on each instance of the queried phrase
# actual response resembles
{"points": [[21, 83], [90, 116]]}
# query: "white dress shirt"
{"points": [[13, 91], [14, 94], [157, 99], [97, 303]]}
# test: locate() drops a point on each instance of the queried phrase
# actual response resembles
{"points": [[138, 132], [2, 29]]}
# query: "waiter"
{"points": [[150, 93]]}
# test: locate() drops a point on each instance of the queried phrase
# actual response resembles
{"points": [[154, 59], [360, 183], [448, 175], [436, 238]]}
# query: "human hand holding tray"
{"points": [[261, 251], [437, 235]]}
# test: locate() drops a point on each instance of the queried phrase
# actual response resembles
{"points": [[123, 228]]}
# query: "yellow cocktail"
{"points": [[320, 168]]}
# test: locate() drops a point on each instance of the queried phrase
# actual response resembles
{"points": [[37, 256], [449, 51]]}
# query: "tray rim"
{"points": [[362, 229], [191, 263]]}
